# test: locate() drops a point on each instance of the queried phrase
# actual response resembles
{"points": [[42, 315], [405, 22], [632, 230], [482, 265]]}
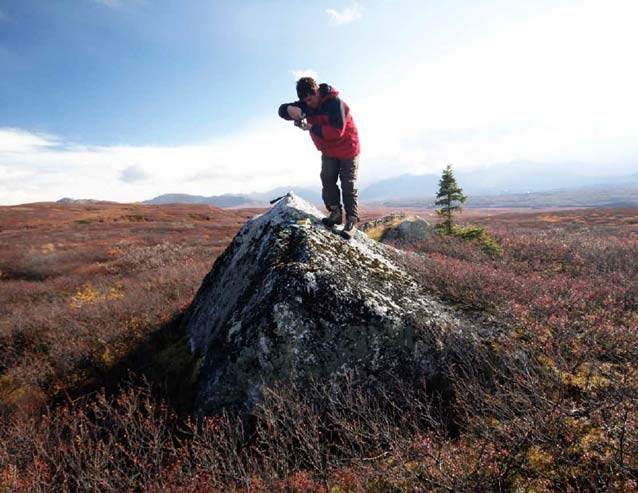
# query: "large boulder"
{"points": [[291, 301], [400, 226]]}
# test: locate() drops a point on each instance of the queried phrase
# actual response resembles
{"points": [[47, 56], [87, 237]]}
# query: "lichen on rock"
{"points": [[291, 301]]}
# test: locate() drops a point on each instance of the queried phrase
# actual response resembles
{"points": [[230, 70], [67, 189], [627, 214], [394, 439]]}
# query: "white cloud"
{"points": [[263, 156], [16, 140], [134, 174], [114, 4], [110, 3], [346, 15]]}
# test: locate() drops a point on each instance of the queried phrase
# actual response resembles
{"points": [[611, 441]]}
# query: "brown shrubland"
{"points": [[95, 382]]}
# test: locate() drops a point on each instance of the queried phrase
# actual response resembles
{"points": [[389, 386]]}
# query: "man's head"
{"points": [[308, 91]]}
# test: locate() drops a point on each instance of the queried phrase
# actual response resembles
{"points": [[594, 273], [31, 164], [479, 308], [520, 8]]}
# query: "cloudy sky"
{"points": [[128, 99]]}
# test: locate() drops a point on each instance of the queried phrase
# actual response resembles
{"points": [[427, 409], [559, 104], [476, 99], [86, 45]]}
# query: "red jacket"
{"points": [[333, 130]]}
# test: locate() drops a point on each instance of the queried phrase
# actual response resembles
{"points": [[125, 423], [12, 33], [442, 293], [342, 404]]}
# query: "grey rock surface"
{"points": [[291, 301]]}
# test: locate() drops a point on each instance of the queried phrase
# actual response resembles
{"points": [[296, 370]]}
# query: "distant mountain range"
{"points": [[520, 177], [236, 200], [67, 200], [592, 196], [514, 184], [227, 200]]}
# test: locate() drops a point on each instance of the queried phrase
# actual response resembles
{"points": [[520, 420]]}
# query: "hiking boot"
{"points": [[335, 217], [350, 228]]}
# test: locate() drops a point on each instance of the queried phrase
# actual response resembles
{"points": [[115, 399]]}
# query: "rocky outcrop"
{"points": [[291, 301], [398, 227]]}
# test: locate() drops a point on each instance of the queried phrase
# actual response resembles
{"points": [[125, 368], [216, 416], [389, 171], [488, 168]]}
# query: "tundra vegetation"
{"points": [[450, 198], [96, 379]]}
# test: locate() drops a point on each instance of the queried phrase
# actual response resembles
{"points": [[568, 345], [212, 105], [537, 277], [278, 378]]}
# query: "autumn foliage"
{"points": [[94, 373]]}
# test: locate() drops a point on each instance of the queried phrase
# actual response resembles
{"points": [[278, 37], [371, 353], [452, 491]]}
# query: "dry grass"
{"points": [[91, 293], [83, 284]]}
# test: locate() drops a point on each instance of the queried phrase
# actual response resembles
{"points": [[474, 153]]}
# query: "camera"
{"points": [[302, 121]]}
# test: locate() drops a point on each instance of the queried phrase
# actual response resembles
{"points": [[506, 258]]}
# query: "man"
{"points": [[332, 129]]}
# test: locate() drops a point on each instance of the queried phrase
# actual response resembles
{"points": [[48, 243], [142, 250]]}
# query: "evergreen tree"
{"points": [[450, 197]]}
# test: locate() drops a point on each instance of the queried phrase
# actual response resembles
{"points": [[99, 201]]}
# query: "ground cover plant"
{"points": [[82, 284], [94, 373]]}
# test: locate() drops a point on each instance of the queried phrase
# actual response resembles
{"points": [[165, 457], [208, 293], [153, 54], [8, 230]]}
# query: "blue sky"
{"points": [[127, 99]]}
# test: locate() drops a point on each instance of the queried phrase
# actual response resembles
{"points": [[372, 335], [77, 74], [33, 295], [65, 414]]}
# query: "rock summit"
{"points": [[291, 301]]}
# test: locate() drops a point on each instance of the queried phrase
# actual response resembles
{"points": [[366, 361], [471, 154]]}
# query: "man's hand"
{"points": [[295, 112], [305, 126]]}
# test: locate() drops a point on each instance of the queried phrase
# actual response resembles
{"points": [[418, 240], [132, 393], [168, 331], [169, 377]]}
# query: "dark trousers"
{"points": [[346, 170]]}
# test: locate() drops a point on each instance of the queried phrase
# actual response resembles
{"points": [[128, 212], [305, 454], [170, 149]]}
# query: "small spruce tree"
{"points": [[450, 197]]}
